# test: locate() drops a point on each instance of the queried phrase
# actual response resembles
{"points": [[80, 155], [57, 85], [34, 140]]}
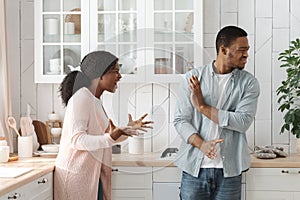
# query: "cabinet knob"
{"points": [[114, 170], [15, 196], [44, 180]]}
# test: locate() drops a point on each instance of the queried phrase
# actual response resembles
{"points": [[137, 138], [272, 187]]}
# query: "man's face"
{"points": [[237, 53]]}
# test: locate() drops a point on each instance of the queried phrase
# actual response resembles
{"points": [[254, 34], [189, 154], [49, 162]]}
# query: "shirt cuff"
{"points": [[109, 139], [223, 118]]}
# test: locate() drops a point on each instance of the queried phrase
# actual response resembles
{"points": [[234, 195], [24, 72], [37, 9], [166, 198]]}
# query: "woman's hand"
{"points": [[196, 93], [139, 124], [116, 132]]}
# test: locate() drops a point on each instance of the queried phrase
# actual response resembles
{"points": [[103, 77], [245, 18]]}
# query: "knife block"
{"points": [[54, 124]]}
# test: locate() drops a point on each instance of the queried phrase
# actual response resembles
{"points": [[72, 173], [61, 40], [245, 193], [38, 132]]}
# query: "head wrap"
{"points": [[96, 63]]}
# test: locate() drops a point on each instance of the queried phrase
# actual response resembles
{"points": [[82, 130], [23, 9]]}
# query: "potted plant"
{"points": [[289, 90]]}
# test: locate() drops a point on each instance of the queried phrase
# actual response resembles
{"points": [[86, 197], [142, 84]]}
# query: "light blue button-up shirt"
{"points": [[236, 113]]}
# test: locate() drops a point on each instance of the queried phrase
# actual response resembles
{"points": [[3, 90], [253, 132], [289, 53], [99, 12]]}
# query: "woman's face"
{"points": [[110, 79]]}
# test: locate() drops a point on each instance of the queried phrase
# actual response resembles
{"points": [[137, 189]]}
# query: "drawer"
{"points": [[132, 178], [39, 189], [166, 174], [273, 179]]}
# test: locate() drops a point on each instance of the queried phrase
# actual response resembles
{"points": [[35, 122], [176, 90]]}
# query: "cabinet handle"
{"points": [[114, 170], [15, 196], [44, 180], [285, 171]]}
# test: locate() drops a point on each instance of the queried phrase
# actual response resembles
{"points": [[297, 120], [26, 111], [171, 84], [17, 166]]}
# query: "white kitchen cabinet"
{"points": [[39, 189], [132, 183], [273, 183], [156, 41], [61, 37], [166, 183]]}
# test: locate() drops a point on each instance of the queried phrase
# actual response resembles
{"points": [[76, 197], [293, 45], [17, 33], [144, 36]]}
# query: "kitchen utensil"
{"points": [[13, 124], [25, 124]]}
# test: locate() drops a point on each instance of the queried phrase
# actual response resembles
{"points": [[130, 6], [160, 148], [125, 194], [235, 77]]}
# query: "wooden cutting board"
{"points": [[42, 132]]}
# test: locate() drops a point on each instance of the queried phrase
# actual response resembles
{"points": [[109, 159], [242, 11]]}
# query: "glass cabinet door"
{"points": [[61, 38], [175, 38], [115, 30]]}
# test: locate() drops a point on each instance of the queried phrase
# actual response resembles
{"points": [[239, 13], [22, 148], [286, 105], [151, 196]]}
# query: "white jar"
{"points": [[4, 154], [136, 144]]}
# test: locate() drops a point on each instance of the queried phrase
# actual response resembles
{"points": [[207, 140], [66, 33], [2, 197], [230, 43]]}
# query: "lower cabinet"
{"points": [[132, 183], [273, 183], [39, 189], [166, 183]]}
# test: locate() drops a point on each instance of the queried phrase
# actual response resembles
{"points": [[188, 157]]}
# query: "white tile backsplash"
{"points": [[263, 62], [295, 27], [278, 73], [263, 108], [280, 39], [209, 40], [27, 24], [281, 15], [211, 16], [277, 122], [263, 32], [263, 8], [246, 15], [229, 18], [229, 5], [262, 132]]}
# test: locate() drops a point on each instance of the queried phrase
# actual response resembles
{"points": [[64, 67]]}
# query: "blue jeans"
{"points": [[210, 185]]}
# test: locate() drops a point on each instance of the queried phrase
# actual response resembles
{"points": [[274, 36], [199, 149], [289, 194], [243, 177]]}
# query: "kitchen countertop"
{"points": [[42, 166]]}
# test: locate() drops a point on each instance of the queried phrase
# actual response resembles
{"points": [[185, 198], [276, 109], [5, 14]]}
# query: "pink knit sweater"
{"points": [[85, 150]]}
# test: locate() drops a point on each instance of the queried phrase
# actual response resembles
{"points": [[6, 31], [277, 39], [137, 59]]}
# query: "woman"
{"points": [[85, 151]]}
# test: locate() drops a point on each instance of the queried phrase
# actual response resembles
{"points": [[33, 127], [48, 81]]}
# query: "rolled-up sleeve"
{"points": [[184, 111]]}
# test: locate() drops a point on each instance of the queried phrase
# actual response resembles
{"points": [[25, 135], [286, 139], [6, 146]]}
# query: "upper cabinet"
{"points": [[156, 41]]}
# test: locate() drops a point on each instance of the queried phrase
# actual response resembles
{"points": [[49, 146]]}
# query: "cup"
{"points": [[69, 28], [25, 146], [54, 65], [51, 26], [4, 153]]}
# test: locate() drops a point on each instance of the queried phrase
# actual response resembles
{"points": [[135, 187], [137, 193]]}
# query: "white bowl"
{"points": [[50, 148], [55, 131]]}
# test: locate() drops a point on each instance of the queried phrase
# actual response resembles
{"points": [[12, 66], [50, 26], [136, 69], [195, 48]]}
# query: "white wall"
{"points": [[271, 24]]}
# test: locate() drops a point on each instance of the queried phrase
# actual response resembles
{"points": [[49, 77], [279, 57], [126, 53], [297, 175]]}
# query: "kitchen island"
{"points": [[42, 166]]}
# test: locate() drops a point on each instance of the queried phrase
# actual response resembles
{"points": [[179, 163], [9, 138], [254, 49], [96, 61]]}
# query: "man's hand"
{"points": [[209, 147], [196, 93], [139, 124]]}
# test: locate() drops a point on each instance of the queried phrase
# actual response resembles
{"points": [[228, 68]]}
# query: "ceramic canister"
{"points": [[136, 144]]}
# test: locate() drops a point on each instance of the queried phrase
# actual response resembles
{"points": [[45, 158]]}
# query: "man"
{"points": [[216, 105]]}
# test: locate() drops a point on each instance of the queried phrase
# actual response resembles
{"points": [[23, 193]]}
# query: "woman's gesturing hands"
{"points": [[139, 124], [116, 132], [131, 128]]}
